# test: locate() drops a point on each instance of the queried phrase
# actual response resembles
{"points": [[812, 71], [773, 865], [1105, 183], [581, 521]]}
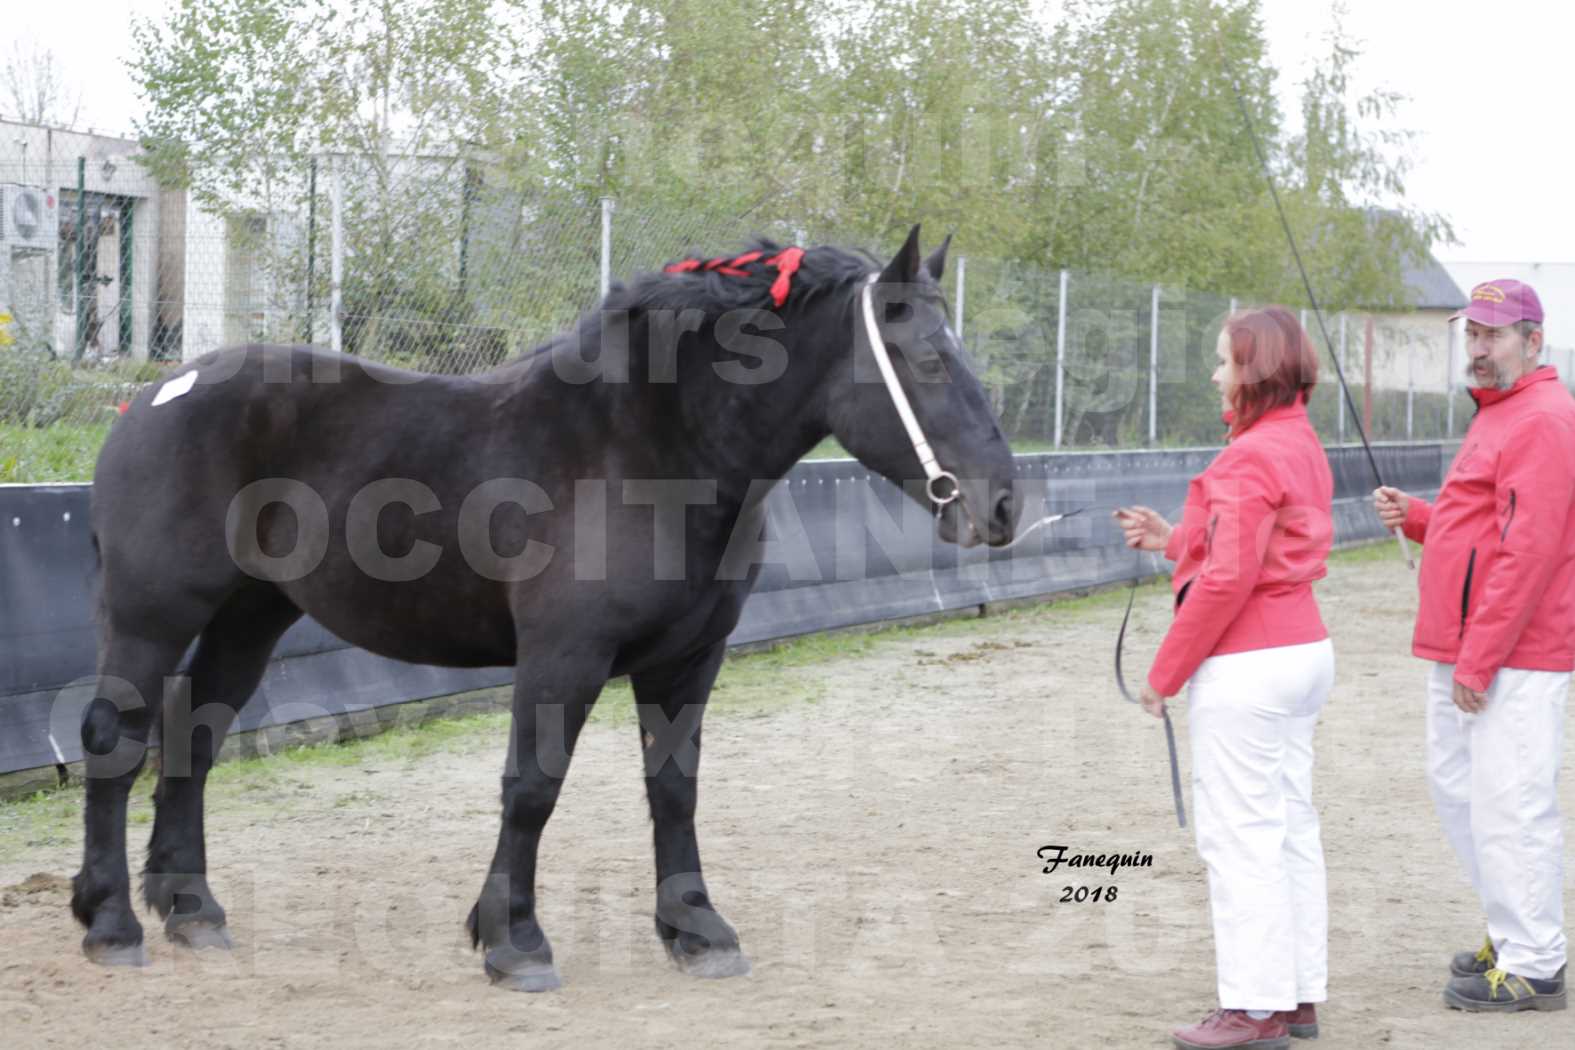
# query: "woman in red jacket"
{"points": [[1248, 638]]}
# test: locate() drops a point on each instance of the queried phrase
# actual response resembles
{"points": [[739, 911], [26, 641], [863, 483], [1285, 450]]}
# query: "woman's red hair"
{"points": [[1275, 363]]}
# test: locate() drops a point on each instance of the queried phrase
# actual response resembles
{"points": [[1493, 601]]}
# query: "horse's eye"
{"points": [[898, 313], [930, 367]]}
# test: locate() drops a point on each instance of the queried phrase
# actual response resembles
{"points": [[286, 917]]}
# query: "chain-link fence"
{"points": [[441, 264], [1076, 360]]}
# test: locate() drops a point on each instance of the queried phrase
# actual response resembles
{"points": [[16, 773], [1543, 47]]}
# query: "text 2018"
{"points": [[1079, 894]]}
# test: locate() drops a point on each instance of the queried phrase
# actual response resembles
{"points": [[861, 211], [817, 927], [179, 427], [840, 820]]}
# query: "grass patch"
{"points": [[47, 818], [62, 452], [1372, 551]]}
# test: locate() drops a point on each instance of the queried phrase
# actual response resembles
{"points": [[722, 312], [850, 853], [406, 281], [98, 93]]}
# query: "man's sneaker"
{"points": [[1233, 1028], [1500, 991], [1302, 1021], [1474, 964]]}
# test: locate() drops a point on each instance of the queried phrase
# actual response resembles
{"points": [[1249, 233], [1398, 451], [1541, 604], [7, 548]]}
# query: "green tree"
{"points": [[241, 94], [938, 102], [696, 105], [1348, 168], [1109, 142]]}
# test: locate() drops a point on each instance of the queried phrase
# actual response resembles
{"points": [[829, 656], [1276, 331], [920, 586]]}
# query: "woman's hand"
{"points": [[1144, 528], [1391, 505], [1152, 702]]}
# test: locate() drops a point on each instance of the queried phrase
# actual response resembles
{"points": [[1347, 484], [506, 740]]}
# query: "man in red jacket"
{"points": [[1497, 618]]}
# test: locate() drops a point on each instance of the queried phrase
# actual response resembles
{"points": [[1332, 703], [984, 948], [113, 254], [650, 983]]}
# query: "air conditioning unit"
{"points": [[29, 218]]}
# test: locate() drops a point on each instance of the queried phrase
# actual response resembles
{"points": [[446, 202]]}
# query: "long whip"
{"points": [[1345, 388]]}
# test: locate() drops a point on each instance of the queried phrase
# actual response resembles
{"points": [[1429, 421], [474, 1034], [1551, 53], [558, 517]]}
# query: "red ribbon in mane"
{"points": [[785, 262]]}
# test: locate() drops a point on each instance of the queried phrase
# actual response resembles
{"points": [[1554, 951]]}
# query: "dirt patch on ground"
{"points": [[875, 847]]}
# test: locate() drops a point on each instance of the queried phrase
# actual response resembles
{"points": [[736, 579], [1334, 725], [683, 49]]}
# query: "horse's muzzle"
{"points": [[1003, 519], [964, 522]]}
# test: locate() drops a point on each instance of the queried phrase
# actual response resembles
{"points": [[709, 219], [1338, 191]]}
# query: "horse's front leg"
{"points": [[671, 702], [553, 695]]}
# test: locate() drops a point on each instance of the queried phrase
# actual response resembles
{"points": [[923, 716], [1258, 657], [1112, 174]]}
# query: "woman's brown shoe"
{"points": [[1302, 1021]]}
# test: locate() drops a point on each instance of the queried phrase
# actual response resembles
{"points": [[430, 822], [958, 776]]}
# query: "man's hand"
{"points": [[1153, 703], [1469, 700], [1145, 529], [1391, 505]]}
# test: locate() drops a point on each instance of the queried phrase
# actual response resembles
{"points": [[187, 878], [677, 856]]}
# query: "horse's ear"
{"points": [[936, 263], [904, 266]]}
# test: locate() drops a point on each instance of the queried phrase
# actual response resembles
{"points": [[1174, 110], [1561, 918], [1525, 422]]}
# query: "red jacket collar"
{"points": [[1296, 409], [1542, 374]]}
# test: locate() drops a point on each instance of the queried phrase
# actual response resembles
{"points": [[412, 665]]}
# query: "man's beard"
{"points": [[1491, 381]]}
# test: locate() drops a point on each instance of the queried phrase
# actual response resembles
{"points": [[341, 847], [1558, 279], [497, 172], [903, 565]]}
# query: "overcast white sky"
{"points": [[1490, 89]]}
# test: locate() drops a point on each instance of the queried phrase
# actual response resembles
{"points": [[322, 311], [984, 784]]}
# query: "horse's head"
{"points": [[950, 452]]}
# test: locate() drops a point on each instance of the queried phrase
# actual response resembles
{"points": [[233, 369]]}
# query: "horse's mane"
{"points": [[822, 270]]}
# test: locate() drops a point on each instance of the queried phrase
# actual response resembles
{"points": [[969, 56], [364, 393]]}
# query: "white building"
{"points": [[155, 275], [1406, 349], [109, 282]]}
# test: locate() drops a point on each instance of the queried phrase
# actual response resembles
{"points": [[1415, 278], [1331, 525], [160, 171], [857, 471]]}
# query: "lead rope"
{"points": [[1121, 684], [1121, 635]]}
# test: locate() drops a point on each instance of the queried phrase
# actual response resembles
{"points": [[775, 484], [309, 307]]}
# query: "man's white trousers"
{"points": [[1494, 777], [1252, 720]]}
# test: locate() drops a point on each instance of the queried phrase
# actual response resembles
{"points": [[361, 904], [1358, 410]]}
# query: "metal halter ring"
{"points": [[941, 501]]}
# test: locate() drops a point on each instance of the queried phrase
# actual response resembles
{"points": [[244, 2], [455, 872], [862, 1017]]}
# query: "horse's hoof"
{"points": [[199, 935], [116, 954], [520, 972], [711, 962]]}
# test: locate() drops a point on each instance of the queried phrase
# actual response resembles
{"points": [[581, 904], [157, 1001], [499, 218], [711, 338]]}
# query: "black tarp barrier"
{"points": [[845, 547]]}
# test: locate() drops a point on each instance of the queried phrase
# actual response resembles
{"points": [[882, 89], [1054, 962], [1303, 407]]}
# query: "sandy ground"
{"points": [[875, 849]]}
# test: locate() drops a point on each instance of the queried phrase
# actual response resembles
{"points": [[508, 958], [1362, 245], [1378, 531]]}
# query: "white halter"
{"points": [[933, 471]]}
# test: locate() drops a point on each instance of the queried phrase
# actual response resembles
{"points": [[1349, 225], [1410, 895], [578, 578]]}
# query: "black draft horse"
{"points": [[567, 514]]}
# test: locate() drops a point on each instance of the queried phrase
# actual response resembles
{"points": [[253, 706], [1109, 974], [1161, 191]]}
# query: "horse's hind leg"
{"points": [[231, 657], [115, 729], [671, 702]]}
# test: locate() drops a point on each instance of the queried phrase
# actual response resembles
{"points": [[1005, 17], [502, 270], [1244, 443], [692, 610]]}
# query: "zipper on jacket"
{"points": [[1465, 592], [1510, 520]]}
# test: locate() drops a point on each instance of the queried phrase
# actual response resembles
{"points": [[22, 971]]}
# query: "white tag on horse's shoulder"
{"points": [[176, 387]]}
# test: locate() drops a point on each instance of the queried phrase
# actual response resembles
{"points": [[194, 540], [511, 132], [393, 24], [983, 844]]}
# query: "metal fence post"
{"points": [[80, 262], [1153, 368], [311, 246], [607, 210], [1410, 388], [336, 271], [1449, 382], [1060, 354], [1342, 368], [962, 277], [467, 196], [1367, 376]]}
